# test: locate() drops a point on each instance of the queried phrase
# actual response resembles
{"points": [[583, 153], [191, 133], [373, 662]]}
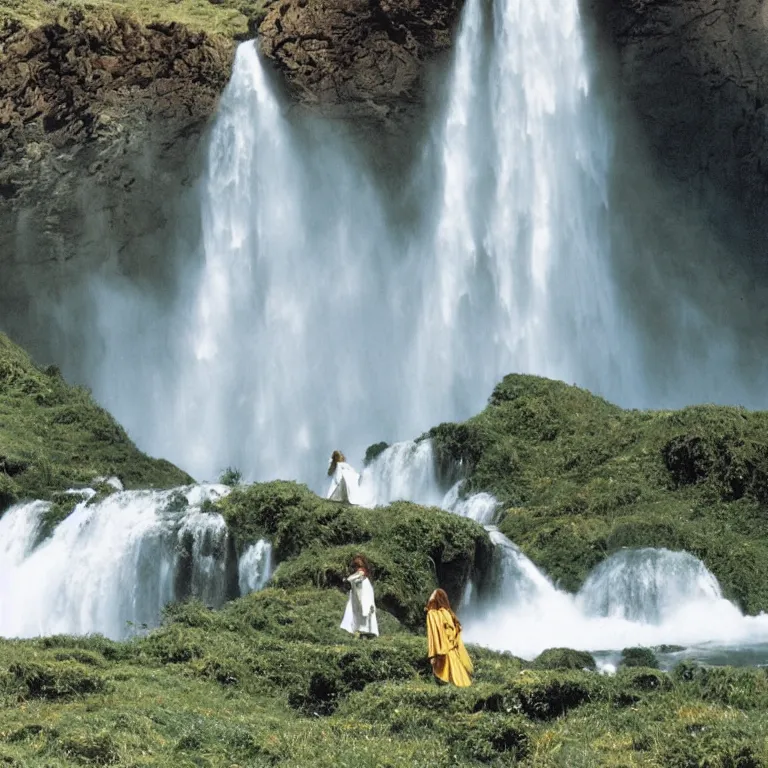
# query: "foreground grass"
{"points": [[580, 478], [270, 680], [54, 436], [230, 18]]}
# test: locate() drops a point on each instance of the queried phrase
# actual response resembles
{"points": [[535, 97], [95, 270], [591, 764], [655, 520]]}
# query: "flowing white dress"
{"points": [[360, 614], [345, 484]]}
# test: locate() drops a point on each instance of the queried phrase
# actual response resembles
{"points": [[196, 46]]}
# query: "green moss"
{"points": [[564, 658], [54, 436], [411, 549], [374, 451], [580, 478], [639, 657], [232, 18]]}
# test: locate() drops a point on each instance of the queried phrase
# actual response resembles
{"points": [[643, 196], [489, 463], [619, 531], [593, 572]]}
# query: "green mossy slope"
{"points": [[580, 478], [411, 549], [271, 681], [54, 436]]}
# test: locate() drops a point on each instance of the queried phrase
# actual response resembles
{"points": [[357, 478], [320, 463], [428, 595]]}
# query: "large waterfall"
{"points": [[321, 318], [322, 313]]}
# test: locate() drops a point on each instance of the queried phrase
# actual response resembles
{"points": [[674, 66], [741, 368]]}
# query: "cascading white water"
{"points": [[111, 566], [322, 319], [254, 567], [648, 585], [635, 597]]}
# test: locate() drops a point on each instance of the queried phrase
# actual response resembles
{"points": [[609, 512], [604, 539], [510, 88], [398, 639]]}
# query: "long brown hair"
{"points": [[337, 457], [439, 599], [360, 563]]}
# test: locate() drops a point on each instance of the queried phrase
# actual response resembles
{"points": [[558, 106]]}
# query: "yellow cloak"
{"points": [[445, 648]]}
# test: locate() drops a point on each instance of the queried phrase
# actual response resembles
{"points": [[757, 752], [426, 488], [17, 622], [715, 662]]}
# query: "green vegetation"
{"points": [[580, 478], [639, 657], [54, 436], [374, 451], [271, 680], [564, 658], [411, 549], [237, 19]]}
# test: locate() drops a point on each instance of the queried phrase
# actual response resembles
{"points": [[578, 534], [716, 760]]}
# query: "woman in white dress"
{"points": [[360, 614], [345, 481]]}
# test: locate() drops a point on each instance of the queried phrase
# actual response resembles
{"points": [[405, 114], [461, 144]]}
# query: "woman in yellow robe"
{"points": [[445, 648]]}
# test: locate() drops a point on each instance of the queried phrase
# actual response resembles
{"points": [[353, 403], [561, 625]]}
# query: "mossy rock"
{"points": [[55, 680], [699, 744], [372, 452], [639, 657], [488, 736], [564, 658], [54, 436], [411, 549], [643, 678]]}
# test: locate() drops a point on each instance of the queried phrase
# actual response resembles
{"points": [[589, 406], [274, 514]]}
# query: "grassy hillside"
{"points": [[54, 436], [411, 549], [271, 681], [580, 478], [230, 18]]}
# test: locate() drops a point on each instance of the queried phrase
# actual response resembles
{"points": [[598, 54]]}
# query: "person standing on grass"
{"points": [[445, 648], [360, 614]]}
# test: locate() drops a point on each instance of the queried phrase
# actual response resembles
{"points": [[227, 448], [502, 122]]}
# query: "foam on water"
{"points": [[635, 597], [110, 567]]}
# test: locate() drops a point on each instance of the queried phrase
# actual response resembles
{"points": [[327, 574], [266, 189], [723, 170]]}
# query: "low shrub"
{"points": [[639, 657], [88, 748], [564, 658], [486, 737]]}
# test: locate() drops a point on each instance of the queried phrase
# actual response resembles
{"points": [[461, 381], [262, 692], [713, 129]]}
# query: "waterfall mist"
{"points": [[326, 306]]}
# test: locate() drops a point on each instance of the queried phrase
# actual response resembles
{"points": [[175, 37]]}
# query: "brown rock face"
{"points": [[697, 74], [100, 121], [362, 59]]}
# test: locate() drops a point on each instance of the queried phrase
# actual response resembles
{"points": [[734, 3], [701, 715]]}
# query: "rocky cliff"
{"points": [[695, 73], [100, 119], [360, 60], [102, 112]]}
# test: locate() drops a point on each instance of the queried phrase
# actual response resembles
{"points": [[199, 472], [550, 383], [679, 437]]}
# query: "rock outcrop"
{"points": [[695, 71], [352, 59], [100, 120]]}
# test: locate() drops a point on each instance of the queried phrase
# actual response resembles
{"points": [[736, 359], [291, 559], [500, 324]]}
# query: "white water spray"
{"points": [[255, 567], [111, 566], [635, 597]]}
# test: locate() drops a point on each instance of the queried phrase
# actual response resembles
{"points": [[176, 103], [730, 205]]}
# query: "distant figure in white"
{"points": [[360, 614], [344, 480]]}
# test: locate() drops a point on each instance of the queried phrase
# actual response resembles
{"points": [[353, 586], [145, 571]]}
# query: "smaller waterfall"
{"points": [[635, 597], [111, 566], [255, 567], [648, 585], [404, 471]]}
